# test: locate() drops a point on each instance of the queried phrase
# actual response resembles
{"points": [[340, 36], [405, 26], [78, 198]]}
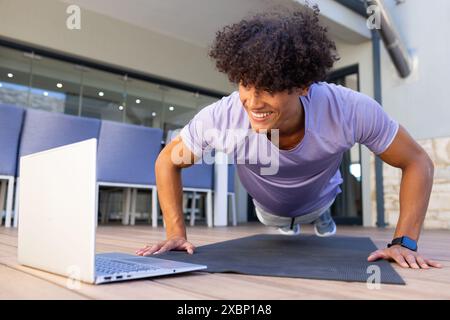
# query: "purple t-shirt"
{"points": [[308, 175]]}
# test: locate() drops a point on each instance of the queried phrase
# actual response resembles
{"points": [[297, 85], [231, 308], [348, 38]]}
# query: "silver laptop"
{"points": [[58, 218]]}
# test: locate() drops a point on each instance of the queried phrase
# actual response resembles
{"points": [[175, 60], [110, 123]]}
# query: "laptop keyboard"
{"points": [[111, 266]]}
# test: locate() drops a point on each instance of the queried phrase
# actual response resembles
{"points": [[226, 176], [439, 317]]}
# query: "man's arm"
{"points": [[415, 188], [171, 160]]}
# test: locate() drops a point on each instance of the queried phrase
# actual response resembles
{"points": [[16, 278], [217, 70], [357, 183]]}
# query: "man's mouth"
{"points": [[260, 116]]}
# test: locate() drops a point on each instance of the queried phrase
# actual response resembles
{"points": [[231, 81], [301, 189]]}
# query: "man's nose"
{"points": [[254, 102]]}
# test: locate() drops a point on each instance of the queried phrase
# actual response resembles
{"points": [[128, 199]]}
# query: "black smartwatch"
{"points": [[405, 242]]}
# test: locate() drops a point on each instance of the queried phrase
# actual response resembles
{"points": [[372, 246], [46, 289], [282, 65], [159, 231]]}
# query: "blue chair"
{"points": [[199, 178], [43, 130], [126, 158], [11, 119]]}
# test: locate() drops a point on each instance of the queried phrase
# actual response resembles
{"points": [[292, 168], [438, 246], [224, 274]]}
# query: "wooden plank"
{"points": [[229, 286], [18, 285], [7, 250]]}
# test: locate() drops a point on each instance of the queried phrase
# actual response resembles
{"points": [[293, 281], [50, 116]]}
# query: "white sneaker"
{"points": [[324, 226], [290, 232]]}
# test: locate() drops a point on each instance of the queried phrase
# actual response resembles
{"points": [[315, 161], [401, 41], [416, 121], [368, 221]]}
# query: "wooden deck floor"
{"points": [[18, 282]]}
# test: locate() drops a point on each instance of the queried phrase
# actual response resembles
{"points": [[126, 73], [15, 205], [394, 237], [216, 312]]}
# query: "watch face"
{"points": [[409, 243]]}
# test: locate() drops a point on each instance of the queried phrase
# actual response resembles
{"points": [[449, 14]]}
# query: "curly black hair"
{"points": [[275, 51]]}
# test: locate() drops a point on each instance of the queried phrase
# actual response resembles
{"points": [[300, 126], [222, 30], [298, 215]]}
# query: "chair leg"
{"points": [[126, 206], [107, 206], [209, 209], [194, 196], [103, 206], [16, 203], [133, 207], [2, 199], [9, 202], [154, 207]]}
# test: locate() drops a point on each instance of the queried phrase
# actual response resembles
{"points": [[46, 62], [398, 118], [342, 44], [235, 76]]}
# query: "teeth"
{"points": [[261, 115]]}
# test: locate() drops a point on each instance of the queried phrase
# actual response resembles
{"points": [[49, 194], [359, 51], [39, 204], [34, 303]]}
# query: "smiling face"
{"points": [[266, 111]]}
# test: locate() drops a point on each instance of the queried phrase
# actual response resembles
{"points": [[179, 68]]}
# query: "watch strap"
{"points": [[405, 242]]}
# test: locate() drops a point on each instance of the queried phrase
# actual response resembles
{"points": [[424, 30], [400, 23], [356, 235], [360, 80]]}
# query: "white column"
{"points": [[241, 199], [220, 189], [155, 208]]}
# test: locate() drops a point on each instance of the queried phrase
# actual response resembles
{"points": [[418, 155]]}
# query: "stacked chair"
{"points": [[126, 159], [11, 120]]}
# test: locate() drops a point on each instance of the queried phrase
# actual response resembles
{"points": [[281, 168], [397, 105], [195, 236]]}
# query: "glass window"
{"points": [[45, 83], [180, 106], [14, 77], [160, 106], [144, 103], [103, 95], [55, 85]]}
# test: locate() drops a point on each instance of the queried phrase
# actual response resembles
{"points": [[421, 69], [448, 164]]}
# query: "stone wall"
{"points": [[438, 214]]}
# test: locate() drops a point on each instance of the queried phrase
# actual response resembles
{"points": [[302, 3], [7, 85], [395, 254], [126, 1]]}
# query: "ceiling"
{"points": [[194, 21]]}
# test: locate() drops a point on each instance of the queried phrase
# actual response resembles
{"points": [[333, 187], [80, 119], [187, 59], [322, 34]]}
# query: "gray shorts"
{"points": [[272, 220]]}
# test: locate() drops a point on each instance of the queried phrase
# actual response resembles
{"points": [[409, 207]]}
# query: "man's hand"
{"points": [[404, 257], [175, 243]]}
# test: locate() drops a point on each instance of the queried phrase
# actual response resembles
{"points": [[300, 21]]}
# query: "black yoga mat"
{"points": [[304, 256]]}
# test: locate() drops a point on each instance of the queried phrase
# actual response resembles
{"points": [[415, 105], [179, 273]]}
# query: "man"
{"points": [[279, 61]]}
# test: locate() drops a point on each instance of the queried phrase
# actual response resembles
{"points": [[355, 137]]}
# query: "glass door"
{"points": [[347, 209]]}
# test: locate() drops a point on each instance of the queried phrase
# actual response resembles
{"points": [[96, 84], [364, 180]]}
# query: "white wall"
{"points": [[421, 103], [106, 40]]}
